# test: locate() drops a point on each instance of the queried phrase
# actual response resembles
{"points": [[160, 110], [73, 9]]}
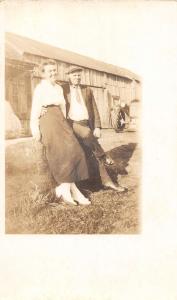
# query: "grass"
{"points": [[36, 212], [110, 212]]}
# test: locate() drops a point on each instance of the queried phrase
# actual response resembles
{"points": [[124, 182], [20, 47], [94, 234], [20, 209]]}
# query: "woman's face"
{"points": [[50, 73]]}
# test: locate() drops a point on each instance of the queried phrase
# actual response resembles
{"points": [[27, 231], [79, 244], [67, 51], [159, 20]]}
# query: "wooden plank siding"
{"points": [[103, 106], [18, 93], [20, 86]]}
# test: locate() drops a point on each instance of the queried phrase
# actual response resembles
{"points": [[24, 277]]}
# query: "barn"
{"points": [[110, 84]]}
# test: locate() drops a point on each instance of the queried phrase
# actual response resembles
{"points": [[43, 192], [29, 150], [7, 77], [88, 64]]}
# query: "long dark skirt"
{"points": [[64, 154]]}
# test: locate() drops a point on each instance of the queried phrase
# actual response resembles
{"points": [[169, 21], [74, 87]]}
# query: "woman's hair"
{"points": [[46, 63]]}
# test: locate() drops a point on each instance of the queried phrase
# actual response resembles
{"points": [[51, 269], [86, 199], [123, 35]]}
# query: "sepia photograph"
{"points": [[73, 158], [88, 150]]}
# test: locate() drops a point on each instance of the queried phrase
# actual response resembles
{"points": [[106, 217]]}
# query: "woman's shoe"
{"points": [[63, 191], [78, 196], [69, 201], [84, 201]]}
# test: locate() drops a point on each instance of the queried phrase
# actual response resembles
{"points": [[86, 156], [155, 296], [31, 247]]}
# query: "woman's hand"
{"points": [[37, 136]]}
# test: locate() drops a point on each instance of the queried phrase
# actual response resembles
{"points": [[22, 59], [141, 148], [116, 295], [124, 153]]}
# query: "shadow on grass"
{"points": [[110, 211], [121, 156]]}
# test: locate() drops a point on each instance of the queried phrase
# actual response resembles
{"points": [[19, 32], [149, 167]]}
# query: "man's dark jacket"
{"points": [[87, 94]]}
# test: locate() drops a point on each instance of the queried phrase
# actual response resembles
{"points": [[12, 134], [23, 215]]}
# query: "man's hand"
{"points": [[43, 111], [97, 133]]}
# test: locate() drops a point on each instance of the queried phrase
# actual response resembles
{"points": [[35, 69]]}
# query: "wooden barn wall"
{"points": [[18, 93], [89, 77], [114, 85], [92, 78], [105, 87]]}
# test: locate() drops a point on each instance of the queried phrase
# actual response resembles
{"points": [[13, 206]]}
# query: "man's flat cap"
{"points": [[73, 69]]}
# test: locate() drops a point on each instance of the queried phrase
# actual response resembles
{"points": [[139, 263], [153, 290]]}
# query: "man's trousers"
{"points": [[85, 135]]}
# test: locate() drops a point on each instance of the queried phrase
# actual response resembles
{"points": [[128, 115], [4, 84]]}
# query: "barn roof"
{"points": [[16, 46]]}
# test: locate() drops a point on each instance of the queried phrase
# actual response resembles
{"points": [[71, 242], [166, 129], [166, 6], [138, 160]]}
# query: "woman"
{"points": [[65, 157]]}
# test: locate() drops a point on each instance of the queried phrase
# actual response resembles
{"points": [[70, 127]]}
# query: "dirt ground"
{"points": [[110, 212]]}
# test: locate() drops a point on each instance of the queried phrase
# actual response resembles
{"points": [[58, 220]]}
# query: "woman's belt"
{"points": [[81, 122], [51, 105]]}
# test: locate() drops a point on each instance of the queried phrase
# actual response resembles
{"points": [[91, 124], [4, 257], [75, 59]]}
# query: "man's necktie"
{"points": [[77, 94]]}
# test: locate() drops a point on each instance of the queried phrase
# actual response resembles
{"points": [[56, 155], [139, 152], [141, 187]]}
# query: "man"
{"points": [[82, 113]]}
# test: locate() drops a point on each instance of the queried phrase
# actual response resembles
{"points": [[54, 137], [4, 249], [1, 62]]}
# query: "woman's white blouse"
{"points": [[45, 94]]}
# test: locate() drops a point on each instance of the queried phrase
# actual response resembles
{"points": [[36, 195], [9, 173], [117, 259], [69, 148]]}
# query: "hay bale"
{"points": [[26, 169], [12, 123]]}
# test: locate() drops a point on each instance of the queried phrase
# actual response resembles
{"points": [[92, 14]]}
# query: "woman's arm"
{"points": [[35, 114]]}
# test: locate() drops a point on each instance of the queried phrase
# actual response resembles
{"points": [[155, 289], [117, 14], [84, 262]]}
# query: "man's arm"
{"points": [[97, 121]]}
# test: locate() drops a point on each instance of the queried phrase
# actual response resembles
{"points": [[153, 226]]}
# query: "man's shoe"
{"points": [[108, 161], [111, 185], [121, 189]]}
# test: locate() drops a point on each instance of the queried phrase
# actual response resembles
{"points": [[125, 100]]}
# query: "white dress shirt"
{"points": [[45, 94], [78, 110]]}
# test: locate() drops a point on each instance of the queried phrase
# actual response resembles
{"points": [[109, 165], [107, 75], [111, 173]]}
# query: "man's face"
{"points": [[50, 73], [75, 78]]}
